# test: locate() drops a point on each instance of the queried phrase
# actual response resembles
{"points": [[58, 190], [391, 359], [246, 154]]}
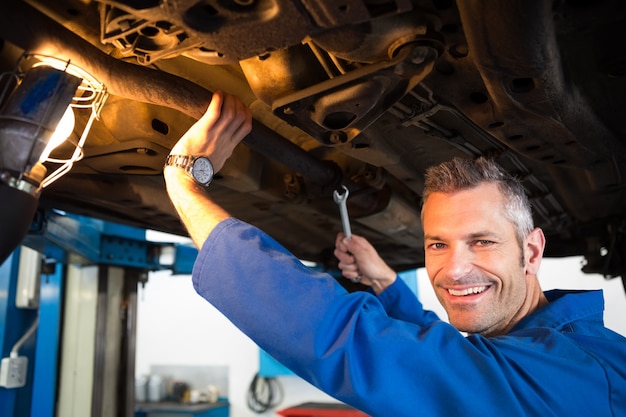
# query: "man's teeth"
{"points": [[467, 291]]}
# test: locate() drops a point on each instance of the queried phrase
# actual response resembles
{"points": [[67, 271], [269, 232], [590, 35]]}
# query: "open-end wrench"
{"points": [[340, 199]]}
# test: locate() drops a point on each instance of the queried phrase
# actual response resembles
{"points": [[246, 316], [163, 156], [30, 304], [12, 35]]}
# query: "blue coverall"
{"points": [[388, 357]]}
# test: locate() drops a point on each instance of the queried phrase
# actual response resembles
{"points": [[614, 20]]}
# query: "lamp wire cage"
{"points": [[90, 97]]}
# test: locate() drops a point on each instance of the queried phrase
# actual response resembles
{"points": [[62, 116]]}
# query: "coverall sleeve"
{"points": [[401, 303], [347, 345]]}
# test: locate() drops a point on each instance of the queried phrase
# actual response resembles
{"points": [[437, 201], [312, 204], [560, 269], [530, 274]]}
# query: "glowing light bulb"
{"points": [[63, 130]]}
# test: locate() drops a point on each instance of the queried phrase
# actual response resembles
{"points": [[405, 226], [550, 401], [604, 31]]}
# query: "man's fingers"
{"points": [[234, 121]]}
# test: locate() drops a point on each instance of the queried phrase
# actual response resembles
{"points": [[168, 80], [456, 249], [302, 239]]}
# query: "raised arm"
{"points": [[226, 122]]}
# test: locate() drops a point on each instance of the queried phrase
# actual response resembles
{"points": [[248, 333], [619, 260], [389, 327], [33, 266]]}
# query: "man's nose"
{"points": [[458, 263]]}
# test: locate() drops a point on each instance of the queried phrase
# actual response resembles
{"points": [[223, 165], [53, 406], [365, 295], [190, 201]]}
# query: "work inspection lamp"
{"points": [[39, 103]]}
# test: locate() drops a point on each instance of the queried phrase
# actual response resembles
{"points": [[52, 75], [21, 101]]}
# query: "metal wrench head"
{"points": [[340, 198]]}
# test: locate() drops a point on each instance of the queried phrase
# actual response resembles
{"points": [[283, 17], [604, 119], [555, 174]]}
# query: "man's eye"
{"points": [[484, 242], [437, 245]]}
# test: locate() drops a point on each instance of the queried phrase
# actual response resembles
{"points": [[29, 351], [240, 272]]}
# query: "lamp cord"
{"points": [[264, 393], [24, 338]]}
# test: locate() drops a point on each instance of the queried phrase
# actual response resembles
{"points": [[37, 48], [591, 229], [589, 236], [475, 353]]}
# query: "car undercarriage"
{"points": [[361, 93]]}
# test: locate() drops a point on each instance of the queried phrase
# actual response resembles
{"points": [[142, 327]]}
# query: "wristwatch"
{"points": [[199, 167]]}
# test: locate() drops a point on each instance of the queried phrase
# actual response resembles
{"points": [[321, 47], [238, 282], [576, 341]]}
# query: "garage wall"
{"points": [[177, 327]]}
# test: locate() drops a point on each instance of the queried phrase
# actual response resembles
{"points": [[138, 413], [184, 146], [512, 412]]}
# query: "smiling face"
{"points": [[480, 274]]}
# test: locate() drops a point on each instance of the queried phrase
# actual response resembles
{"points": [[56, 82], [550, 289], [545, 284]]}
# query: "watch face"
{"points": [[202, 170]]}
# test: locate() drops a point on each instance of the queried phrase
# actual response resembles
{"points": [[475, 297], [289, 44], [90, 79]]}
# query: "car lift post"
{"points": [[68, 241]]}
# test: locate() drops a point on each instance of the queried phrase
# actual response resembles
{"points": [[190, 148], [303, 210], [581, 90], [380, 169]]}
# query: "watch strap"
{"points": [[180, 161]]}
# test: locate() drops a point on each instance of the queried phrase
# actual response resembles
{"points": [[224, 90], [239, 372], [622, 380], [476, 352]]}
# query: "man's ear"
{"points": [[533, 250]]}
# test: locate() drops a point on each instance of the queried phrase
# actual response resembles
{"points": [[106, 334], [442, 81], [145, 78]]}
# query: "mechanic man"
{"points": [[526, 353]]}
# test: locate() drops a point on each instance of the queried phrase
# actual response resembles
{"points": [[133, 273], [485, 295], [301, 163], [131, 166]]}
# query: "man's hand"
{"points": [[358, 258], [226, 122]]}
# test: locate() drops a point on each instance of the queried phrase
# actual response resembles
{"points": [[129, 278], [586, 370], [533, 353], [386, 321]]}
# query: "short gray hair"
{"points": [[462, 174]]}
